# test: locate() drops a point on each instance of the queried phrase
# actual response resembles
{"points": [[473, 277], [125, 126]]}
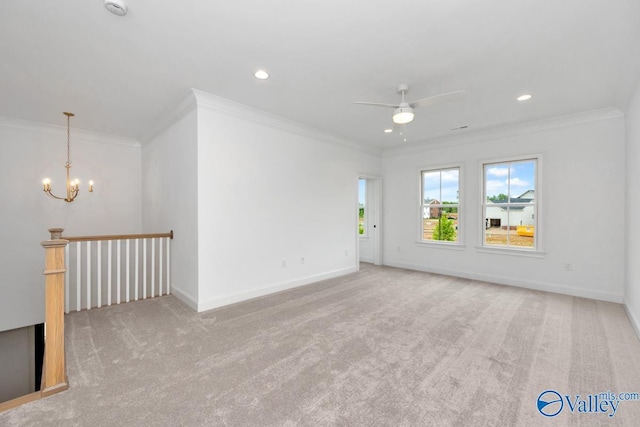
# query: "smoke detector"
{"points": [[117, 7]]}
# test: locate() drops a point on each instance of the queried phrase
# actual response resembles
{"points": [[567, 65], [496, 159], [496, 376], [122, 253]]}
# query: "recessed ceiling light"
{"points": [[261, 74], [388, 130], [524, 97]]}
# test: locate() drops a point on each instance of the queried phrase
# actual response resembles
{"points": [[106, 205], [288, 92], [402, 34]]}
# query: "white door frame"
{"points": [[375, 217]]}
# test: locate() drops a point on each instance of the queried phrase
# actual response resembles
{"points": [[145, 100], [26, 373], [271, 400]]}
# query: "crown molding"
{"points": [[507, 131], [57, 130], [163, 122], [232, 108]]}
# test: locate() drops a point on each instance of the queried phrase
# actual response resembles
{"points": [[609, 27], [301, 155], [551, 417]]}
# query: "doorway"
{"points": [[369, 219]]}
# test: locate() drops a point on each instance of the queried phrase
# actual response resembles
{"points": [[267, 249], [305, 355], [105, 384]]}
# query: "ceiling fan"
{"points": [[403, 112]]}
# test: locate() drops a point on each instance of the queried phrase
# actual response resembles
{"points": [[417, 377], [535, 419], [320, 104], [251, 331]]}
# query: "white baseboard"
{"points": [[635, 321], [510, 281], [187, 299], [258, 292]]}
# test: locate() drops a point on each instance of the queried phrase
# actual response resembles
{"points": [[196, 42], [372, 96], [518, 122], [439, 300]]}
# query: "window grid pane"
{"points": [[439, 205]]}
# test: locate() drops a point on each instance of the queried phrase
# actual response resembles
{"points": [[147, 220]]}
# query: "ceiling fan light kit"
{"points": [[403, 115]]}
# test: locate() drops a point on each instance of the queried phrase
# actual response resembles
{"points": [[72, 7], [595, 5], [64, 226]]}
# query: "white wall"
{"points": [[632, 270], [271, 191], [30, 152], [582, 175], [170, 195]]}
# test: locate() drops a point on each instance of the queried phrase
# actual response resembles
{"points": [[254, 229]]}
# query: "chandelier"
{"points": [[73, 186]]}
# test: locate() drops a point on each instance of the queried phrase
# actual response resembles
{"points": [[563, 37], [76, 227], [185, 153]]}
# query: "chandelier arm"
{"points": [[71, 196], [50, 194]]}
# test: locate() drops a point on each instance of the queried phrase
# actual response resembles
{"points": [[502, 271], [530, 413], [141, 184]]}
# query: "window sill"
{"points": [[363, 237], [440, 245], [529, 253]]}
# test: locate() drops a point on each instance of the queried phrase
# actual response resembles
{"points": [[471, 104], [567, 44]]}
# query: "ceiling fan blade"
{"points": [[426, 102], [376, 104]]}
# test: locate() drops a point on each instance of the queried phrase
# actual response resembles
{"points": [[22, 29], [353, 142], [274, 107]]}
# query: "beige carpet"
{"points": [[382, 347]]}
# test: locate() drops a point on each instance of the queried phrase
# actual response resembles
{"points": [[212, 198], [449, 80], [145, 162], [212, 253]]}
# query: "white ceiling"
{"points": [[120, 75]]}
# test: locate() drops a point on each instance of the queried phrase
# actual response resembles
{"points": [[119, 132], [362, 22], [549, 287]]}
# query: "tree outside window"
{"points": [[362, 207]]}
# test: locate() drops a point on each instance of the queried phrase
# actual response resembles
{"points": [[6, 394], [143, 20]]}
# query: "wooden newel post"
{"points": [[54, 375]]}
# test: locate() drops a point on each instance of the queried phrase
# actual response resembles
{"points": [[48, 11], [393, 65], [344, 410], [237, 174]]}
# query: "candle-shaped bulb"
{"points": [[90, 186], [46, 184]]}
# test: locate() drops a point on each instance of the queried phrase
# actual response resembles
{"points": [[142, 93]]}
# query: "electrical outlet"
{"points": [[302, 260], [284, 263], [346, 252], [568, 266]]}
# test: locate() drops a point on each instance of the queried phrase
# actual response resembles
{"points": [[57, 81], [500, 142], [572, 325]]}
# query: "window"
{"points": [[362, 207], [509, 204], [440, 206]]}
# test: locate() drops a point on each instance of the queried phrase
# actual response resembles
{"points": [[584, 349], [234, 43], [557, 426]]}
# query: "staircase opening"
{"points": [[21, 352]]}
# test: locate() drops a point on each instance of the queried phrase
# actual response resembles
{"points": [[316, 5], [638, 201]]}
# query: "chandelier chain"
{"points": [[68, 140]]}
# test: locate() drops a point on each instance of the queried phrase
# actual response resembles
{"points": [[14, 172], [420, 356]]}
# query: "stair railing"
{"points": [[106, 270]]}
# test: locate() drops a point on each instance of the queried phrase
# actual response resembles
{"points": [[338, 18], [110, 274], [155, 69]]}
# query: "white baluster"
{"points": [[168, 266], [88, 275], [66, 279], [153, 267], [99, 273], [78, 275], [109, 269], [137, 267], [144, 268], [160, 243], [118, 271], [127, 262]]}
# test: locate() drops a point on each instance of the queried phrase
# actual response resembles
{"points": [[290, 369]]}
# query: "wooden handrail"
{"points": [[119, 237]]}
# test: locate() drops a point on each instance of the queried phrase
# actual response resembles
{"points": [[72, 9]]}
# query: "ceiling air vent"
{"points": [[117, 7]]}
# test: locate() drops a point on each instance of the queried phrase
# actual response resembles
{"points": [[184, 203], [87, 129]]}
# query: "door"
{"points": [[369, 216]]}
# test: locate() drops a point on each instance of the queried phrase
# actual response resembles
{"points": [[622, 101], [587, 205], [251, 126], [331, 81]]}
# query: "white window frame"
{"points": [[536, 250], [421, 241]]}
